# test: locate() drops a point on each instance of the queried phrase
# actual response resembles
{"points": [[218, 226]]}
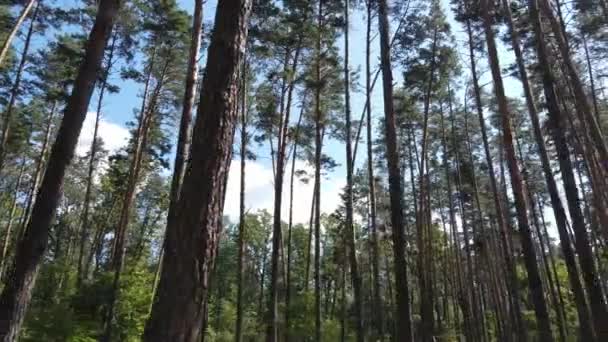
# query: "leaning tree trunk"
{"points": [[556, 203], [404, 324], [16, 295], [8, 115], [9, 39], [179, 313], [521, 205], [8, 230], [581, 241], [582, 106]]}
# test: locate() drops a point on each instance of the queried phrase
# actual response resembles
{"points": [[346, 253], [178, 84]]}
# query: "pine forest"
{"points": [[304, 170]]}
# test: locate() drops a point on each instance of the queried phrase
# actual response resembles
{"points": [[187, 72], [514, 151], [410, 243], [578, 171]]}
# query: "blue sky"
{"points": [[118, 109]]}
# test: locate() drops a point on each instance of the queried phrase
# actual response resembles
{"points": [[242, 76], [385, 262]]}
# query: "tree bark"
{"points": [[404, 325], [16, 295], [190, 248]]}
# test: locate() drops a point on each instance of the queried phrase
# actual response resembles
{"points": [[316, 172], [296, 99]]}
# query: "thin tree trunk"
{"points": [[8, 115], [36, 177], [290, 227], [350, 231], [521, 205], [238, 335], [9, 38], [84, 231], [318, 151], [179, 313], [404, 325], [16, 295], [11, 217], [377, 311]]}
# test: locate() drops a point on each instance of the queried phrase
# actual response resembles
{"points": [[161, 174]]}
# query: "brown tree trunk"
{"points": [[9, 38], [521, 205], [8, 115], [404, 325], [16, 295], [191, 241]]}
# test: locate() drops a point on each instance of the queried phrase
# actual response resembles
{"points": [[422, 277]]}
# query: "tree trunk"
{"points": [[317, 187], [191, 243], [377, 300], [350, 232], [241, 237], [11, 217], [84, 231], [521, 205], [8, 115], [9, 38], [404, 325], [16, 295]]}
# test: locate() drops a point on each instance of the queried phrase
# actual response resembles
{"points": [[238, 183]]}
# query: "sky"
{"points": [[119, 108]]}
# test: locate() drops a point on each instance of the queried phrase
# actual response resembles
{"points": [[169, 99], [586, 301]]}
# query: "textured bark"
{"points": [[404, 325], [8, 115], [179, 313], [9, 38], [521, 205], [16, 295]]}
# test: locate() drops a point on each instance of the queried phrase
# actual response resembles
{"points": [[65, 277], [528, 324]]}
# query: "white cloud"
{"points": [[113, 135], [259, 186]]}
